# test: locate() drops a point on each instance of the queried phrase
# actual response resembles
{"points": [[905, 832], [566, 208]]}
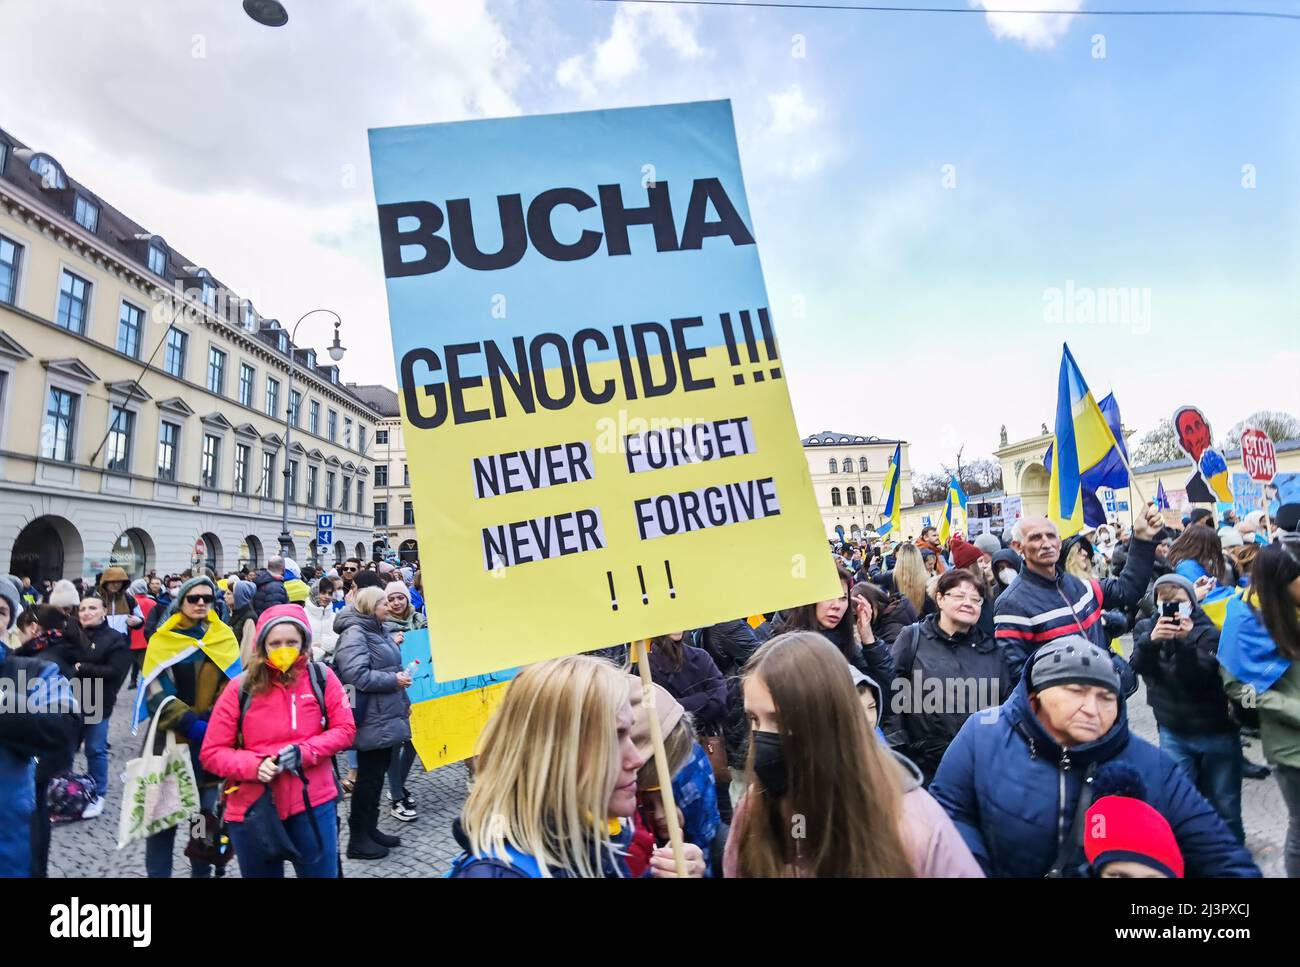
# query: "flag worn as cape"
{"points": [[1246, 649], [170, 647]]}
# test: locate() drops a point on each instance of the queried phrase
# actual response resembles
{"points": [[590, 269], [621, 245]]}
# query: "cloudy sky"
{"points": [[938, 199]]}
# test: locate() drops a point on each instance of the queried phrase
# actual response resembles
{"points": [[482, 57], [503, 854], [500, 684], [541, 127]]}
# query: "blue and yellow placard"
{"points": [[598, 429]]}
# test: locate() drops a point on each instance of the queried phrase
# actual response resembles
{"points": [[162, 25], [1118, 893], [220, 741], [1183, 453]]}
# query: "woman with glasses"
{"points": [[948, 669]]}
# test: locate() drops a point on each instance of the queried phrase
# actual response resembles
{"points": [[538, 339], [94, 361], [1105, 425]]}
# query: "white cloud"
{"points": [[790, 139], [634, 32], [1037, 31]]}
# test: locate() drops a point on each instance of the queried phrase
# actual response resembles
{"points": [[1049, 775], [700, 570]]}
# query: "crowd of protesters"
{"points": [[965, 703]]}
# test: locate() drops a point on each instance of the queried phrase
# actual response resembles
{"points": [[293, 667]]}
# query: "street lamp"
{"points": [[269, 13], [336, 351]]}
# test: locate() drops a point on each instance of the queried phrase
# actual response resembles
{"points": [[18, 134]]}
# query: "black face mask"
{"points": [[769, 762]]}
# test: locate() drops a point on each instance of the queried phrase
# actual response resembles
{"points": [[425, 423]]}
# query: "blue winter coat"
{"points": [[1012, 792]]}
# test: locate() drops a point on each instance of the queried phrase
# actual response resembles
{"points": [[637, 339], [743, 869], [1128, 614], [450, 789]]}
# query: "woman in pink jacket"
{"points": [[826, 798], [295, 717]]}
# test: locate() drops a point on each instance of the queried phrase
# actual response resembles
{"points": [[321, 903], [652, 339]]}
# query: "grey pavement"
{"points": [[88, 848]]}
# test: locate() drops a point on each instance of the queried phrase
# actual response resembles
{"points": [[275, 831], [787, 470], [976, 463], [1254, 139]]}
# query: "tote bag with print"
{"points": [[161, 791]]}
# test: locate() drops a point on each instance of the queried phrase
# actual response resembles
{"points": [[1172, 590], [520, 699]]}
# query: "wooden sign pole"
{"points": [[641, 649]]}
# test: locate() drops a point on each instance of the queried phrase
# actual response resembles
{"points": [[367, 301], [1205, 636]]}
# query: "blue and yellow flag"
{"points": [[954, 512], [169, 647], [1083, 440], [893, 493]]}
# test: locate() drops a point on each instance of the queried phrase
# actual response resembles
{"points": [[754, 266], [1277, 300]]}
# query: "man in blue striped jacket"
{"points": [[1044, 602]]}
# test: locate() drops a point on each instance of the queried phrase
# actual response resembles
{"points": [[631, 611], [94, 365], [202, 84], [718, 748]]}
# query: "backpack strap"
{"points": [[316, 672], [520, 862]]}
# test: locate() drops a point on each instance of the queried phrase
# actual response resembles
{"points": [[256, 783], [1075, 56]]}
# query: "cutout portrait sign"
{"points": [[1210, 483], [600, 438]]}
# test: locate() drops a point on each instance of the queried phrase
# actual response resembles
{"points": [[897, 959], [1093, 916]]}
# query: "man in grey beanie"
{"points": [[10, 607]]}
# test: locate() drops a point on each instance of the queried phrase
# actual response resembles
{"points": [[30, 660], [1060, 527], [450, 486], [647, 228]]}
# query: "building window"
{"points": [[381, 436], [311, 359], [835, 496], [157, 259], [86, 213], [408, 513], [361, 438], [329, 489], [866, 495], [313, 417], [74, 301], [267, 489], [169, 435], [281, 341], [862, 464], [332, 426], [209, 294], [361, 497], [347, 432], [216, 371], [11, 254], [174, 357], [250, 317], [347, 493], [835, 467], [852, 496], [406, 475], [243, 468], [60, 422], [381, 475], [120, 431], [295, 405], [130, 323], [211, 461], [272, 396], [246, 376], [312, 474], [381, 514], [292, 495]]}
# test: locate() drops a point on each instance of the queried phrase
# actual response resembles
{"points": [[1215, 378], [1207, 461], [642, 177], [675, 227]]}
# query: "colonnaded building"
{"points": [[143, 407]]}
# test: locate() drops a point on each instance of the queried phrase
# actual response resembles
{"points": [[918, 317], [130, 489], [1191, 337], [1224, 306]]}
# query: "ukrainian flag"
{"points": [[1083, 440], [954, 512], [893, 492]]}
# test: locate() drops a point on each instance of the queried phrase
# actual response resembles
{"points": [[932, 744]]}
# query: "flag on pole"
{"points": [[893, 493], [1162, 498], [1083, 441], [954, 512]]}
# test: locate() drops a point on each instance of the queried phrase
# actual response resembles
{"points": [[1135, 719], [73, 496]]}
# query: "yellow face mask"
{"points": [[282, 658]]}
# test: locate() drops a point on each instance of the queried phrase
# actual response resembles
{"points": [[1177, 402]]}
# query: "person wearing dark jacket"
{"points": [[979, 563], [57, 640], [367, 659], [1006, 565], [1013, 783], [730, 644], [948, 669], [1177, 656], [890, 611], [106, 659], [1044, 602], [270, 586]]}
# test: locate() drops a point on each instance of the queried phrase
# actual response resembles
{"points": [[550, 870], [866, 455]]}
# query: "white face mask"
{"points": [[338, 595], [1184, 609], [1007, 575]]}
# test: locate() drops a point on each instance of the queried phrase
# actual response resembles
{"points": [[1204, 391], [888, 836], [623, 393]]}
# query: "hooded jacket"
{"points": [[287, 713], [1007, 555], [270, 591], [1034, 610], [1013, 792], [1182, 677], [324, 639], [367, 659], [930, 664], [121, 605]]}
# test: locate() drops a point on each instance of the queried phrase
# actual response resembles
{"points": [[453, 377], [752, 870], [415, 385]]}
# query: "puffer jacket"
{"points": [[928, 661], [324, 639], [285, 714], [22, 737], [107, 657], [1013, 793], [270, 590], [697, 685], [367, 659], [1182, 677]]}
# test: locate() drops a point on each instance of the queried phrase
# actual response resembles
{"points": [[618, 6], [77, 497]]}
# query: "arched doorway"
{"points": [[1033, 490], [340, 552], [250, 553], [360, 551], [133, 552], [45, 548], [409, 551], [214, 557]]}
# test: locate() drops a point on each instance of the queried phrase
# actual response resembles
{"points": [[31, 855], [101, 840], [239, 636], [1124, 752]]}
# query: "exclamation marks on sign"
{"points": [[613, 599], [751, 345], [672, 591], [640, 576]]}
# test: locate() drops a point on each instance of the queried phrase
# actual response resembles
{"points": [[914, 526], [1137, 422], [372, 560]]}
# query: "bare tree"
{"points": [[1158, 445], [1277, 424]]}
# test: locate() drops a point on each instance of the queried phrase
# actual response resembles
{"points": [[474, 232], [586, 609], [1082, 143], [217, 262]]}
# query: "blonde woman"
{"points": [[910, 578], [557, 766]]}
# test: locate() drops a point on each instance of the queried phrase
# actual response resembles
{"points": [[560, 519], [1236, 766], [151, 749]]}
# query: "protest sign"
{"points": [[1247, 494], [1012, 511], [1285, 489], [1209, 483], [598, 426], [447, 717], [1258, 456]]}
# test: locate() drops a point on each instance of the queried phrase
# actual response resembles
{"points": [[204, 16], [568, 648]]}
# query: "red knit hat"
{"points": [[1123, 828], [964, 553]]}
